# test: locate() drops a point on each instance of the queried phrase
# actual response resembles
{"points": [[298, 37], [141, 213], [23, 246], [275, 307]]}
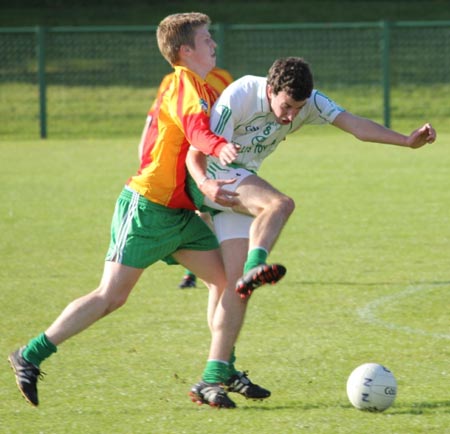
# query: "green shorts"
{"points": [[143, 232], [197, 196]]}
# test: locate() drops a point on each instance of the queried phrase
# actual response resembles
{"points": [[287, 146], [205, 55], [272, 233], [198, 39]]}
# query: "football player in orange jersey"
{"points": [[155, 219], [219, 79]]}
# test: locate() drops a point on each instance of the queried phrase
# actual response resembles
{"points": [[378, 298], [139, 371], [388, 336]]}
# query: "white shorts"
{"points": [[215, 171], [229, 224]]}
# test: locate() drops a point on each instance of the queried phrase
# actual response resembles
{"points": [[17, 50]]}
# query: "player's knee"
{"points": [[289, 205], [116, 303], [111, 301], [284, 205], [217, 286]]}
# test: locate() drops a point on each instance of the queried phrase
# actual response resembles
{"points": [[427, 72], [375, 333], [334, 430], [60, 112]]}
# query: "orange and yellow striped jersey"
{"points": [[180, 118], [218, 78]]}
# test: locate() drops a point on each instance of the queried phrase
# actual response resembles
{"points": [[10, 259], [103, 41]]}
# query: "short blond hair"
{"points": [[177, 30]]}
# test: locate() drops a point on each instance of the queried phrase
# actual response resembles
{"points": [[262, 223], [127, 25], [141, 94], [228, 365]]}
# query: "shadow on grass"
{"points": [[415, 408], [426, 407], [319, 283]]}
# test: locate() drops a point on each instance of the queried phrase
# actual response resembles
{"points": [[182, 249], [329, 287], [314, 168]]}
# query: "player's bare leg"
{"points": [[271, 209], [115, 286], [207, 267], [230, 315], [117, 282], [189, 279]]}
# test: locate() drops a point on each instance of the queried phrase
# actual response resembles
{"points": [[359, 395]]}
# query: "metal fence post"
{"points": [[386, 71], [40, 51]]}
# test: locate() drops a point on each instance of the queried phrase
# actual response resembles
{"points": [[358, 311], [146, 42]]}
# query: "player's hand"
{"points": [[213, 189], [421, 136], [228, 153]]}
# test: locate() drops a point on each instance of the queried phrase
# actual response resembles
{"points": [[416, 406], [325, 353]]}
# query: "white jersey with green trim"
{"points": [[242, 115]]}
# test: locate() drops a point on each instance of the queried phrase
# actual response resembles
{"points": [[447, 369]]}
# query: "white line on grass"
{"points": [[368, 313]]}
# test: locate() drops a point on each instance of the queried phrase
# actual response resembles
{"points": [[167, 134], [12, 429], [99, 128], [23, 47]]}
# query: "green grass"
{"points": [[101, 112], [78, 111], [367, 252]]}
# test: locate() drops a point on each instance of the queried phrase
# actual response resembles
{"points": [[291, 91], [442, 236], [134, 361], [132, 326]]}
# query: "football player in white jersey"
{"points": [[256, 114]]}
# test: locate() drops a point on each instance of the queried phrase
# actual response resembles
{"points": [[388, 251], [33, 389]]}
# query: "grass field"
{"points": [[367, 252], [73, 112]]}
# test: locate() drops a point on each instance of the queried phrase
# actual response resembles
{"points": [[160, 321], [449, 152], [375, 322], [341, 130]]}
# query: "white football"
{"points": [[371, 387]]}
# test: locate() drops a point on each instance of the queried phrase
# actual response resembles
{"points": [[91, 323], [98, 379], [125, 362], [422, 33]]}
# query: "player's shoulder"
{"points": [[248, 84], [318, 99], [186, 82], [323, 106], [185, 74], [252, 80], [165, 82]]}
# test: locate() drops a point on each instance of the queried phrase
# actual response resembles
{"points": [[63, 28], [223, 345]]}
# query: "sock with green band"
{"points": [[38, 349], [255, 257], [216, 371]]}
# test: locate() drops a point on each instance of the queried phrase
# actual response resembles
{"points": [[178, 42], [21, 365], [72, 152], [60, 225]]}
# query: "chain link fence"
{"points": [[99, 81]]}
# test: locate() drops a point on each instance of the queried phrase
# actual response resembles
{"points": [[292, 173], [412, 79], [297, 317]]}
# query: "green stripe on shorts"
{"points": [[143, 232]]}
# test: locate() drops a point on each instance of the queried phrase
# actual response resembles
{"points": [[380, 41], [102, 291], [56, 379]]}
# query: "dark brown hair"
{"points": [[292, 75]]}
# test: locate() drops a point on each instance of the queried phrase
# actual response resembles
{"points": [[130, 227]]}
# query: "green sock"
{"points": [[189, 273], [38, 349], [216, 371], [255, 257], [231, 368]]}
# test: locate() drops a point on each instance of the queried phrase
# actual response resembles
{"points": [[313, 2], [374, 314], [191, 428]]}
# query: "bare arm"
{"points": [[370, 131], [213, 189]]}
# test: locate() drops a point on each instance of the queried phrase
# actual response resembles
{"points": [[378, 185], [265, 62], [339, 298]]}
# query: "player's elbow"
{"points": [[362, 136]]}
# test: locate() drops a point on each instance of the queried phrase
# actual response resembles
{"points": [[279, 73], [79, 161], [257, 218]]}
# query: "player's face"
{"points": [[204, 53], [284, 107]]}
